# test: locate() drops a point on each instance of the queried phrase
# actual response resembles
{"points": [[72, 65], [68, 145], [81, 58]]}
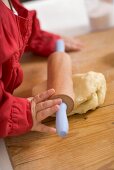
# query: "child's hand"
{"points": [[72, 44], [42, 108]]}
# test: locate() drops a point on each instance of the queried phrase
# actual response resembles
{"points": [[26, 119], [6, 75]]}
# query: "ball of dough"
{"points": [[90, 91]]}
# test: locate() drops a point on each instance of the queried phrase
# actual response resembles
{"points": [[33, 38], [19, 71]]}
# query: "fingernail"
{"points": [[51, 91], [53, 130], [60, 101], [57, 107]]}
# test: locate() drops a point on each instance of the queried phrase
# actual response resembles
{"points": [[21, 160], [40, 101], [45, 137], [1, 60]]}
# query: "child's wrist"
{"points": [[33, 110]]}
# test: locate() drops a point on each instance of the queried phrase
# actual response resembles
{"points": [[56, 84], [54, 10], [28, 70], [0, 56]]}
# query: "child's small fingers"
{"points": [[76, 47], [70, 48], [73, 47], [43, 96], [75, 41], [47, 104], [46, 113], [44, 128], [78, 41], [76, 44], [80, 44]]}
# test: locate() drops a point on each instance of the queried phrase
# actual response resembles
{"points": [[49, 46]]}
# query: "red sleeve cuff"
{"points": [[45, 45], [20, 121]]}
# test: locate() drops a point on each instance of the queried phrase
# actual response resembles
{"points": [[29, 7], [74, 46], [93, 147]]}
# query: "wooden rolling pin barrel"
{"points": [[60, 78]]}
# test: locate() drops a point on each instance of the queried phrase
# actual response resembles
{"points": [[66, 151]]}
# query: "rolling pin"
{"points": [[60, 78]]}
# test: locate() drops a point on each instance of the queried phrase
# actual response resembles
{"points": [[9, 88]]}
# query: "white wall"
{"points": [[66, 17]]}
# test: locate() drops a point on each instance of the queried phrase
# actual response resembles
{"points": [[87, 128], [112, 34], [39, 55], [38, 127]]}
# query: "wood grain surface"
{"points": [[90, 142]]}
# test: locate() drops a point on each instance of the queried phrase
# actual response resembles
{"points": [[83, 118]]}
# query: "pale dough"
{"points": [[90, 91]]}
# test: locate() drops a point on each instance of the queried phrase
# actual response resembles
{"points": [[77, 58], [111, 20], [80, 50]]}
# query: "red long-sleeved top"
{"points": [[17, 34]]}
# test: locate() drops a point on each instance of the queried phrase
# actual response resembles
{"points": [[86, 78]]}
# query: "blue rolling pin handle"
{"points": [[62, 125], [60, 45]]}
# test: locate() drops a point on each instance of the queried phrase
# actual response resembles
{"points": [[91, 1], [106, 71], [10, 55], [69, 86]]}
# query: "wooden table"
{"points": [[90, 142]]}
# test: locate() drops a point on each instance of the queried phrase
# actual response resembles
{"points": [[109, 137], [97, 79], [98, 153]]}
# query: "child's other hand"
{"points": [[43, 107], [72, 44]]}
